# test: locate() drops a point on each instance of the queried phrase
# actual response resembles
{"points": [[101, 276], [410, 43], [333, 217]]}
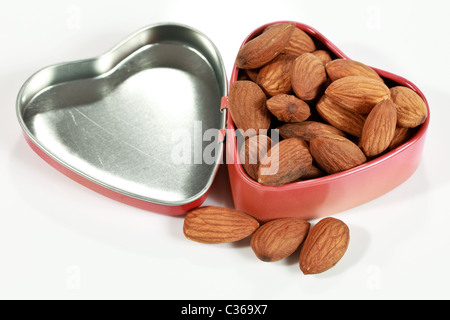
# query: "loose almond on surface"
{"points": [[325, 245], [308, 130], [285, 162], [308, 76], [247, 105], [288, 108], [279, 238], [265, 47], [211, 224], [411, 109], [379, 128], [335, 153], [340, 68], [357, 93], [339, 117], [252, 151]]}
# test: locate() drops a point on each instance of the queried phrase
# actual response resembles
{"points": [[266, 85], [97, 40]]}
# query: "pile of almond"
{"points": [[321, 247], [332, 114]]}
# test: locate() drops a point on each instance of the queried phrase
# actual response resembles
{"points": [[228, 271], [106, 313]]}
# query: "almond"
{"points": [[247, 105], [275, 76], [323, 55], [312, 172], [379, 128], [357, 93], [411, 108], [308, 76], [252, 151], [335, 153], [265, 47], [288, 108], [285, 162], [325, 245], [401, 135], [213, 224], [252, 74], [299, 43], [340, 68], [279, 238], [308, 130], [339, 117]]}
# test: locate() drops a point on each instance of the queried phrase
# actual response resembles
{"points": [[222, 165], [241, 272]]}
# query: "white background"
{"points": [[59, 240]]}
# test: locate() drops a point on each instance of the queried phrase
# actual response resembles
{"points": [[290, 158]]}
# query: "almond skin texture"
{"points": [[308, 76], [299, 43], [275, 76], [252, 74], [411, 109], [285, 162], [340, 68], [308, 130], [251, 153], [311, 173], [214, 225], [279, 238], [265, 47], [357, 93], [247, 105], [323, 55], [401, 135], [379, 128], [339, 117], [335, 153], [288, 108], [325, 245]]}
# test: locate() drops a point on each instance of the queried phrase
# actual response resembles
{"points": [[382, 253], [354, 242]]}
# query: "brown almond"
{"points": [[299, 43], [252, 151], [411, 108], [265, 47], [325, 245], [285, 162], [279, 238], [335, 153], [308, 130], [288, 108], [339, 117], [312, 172], [379, 128], [252, 74], [275, 76], [401, 135], [308, 76], [247, 105], [357, 93], [212, 224], [323, 55], [340, 68]]}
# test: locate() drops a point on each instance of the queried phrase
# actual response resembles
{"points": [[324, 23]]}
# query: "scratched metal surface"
{"points": [[142, 125]]}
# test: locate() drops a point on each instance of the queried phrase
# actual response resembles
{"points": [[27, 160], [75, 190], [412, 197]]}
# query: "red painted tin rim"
{"points": [[328, 178]]}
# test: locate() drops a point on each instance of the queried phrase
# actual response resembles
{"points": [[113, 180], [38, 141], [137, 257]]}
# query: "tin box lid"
{"points": [[140, 122]]}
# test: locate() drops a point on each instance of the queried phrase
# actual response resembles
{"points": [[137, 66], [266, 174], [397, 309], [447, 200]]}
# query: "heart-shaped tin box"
{"points": [[145, 123]]}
